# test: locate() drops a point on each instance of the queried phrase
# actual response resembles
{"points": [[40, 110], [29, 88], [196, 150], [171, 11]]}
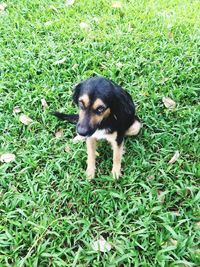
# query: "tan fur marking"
{"points": [[85, 99], [96, 119], [81, 114], [91, 149], [134, 128], [117, 154], [98, 102]]}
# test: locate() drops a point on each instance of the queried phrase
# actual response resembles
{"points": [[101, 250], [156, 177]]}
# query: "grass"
{"points": [[50, 212]]}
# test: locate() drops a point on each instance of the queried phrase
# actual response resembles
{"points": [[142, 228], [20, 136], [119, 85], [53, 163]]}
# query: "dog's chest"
{"points": [[100, 134]]}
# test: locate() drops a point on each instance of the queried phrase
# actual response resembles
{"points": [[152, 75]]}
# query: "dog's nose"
{"points": [[83, 131]]}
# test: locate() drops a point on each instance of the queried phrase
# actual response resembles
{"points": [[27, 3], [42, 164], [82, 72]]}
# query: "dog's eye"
{"points": [[81, 105], [100, 110]]}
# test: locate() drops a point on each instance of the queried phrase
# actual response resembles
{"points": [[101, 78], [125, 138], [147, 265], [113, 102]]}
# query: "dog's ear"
{"points": [[76, 93], [122, 104]]}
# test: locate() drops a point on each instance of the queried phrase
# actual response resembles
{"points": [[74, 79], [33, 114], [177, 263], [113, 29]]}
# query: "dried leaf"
{"points": [[170, 34], [69, 2], [61, 61], [3, 6], [173, 242], [168, 102], [84, 25], [75, 66], [175, 157], [119, 65], [59, 134], [117, 4], [17, 109], [161, 196], [53, 8], [67, 149], [101, 245], [7, 157], [198, 224], [48, 23], [44, 103], [25, 119]]}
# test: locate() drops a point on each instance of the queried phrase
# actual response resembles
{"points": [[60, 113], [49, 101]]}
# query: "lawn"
{"points": [[49, 212]]}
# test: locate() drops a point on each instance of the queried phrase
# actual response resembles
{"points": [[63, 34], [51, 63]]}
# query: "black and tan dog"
{"points": [[106, 111]]}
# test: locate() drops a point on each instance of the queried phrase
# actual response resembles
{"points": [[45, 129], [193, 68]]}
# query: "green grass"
{"points": [[50, 213]]}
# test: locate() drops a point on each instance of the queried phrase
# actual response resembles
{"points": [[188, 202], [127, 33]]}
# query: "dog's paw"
{"points": [[90, 173], [116, 173]]}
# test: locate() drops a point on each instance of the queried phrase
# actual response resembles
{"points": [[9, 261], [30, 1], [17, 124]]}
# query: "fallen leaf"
{"points": [[69, 2], [168, 102], [151, 177], [25, 119], [119, 65], [117, 4], [75, 66], [17, 109], [53, 8], [84, 25], [61, 61], [101, 245], [170, 34], [161, 196], [7, 157], [173, 242], [59, 134], [175, 157], [67, 149], [48, 23], [3, 6], [44, 103], [198, 224]]}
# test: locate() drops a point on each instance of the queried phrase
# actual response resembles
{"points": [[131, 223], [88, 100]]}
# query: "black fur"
{"points": [[73, 118], [122, 108]]}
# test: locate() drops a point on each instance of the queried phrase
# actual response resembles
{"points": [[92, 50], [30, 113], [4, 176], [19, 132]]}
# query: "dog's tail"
{"points": [[72, 118]]}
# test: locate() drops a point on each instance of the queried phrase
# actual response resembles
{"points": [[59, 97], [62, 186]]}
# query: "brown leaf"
{"points": [[17, 109], [170, 34], [44, 103], [25, 119], [168, 102], [3, 6], [117, 4], [161, 196], [69, 2], [59, 134], [67, 149], [175, 157], [7, 157], [61, 61]]}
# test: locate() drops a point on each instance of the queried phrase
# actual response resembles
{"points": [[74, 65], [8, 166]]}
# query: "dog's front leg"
{"points": [[91, 149], [117, 158]]}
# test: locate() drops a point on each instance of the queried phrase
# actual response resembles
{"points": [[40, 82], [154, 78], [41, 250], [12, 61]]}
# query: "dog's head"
{"points": [[95, 98]]}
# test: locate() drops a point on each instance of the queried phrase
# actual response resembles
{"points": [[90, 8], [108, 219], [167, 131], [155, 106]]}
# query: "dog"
{"points": [[106, 111]]}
